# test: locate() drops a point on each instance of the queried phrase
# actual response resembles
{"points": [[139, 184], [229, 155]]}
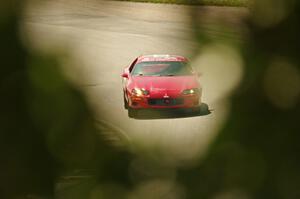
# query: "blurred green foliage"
{"points": [[47, 131], [46, 128], [256, 153]]}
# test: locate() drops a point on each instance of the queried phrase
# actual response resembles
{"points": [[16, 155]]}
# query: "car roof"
{"points": [[145, 58]]}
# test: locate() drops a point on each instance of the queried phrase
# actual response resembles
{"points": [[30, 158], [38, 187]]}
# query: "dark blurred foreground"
{"points": [[47, 130], [50, 148]]}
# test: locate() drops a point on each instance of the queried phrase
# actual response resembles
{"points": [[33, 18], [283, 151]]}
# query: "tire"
{"points": [[204, 109], [125, 102], [132, 113]]}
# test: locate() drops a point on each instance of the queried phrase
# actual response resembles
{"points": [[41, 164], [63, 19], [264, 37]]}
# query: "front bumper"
{"points": [[146, 102]]}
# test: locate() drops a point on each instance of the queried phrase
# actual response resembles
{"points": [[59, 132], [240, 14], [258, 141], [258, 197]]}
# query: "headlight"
{"points": [[192, 91], [139, 92]]}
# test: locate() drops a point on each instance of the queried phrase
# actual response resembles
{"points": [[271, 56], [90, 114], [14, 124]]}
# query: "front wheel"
{"points": [[204, 109], [125, 101], [132, 113]]}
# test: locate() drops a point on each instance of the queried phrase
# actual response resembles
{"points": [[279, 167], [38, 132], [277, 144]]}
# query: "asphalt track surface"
{"points": [[104, 37]]}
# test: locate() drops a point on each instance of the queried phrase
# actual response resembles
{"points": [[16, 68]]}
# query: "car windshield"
{"points": [[162, 68]]}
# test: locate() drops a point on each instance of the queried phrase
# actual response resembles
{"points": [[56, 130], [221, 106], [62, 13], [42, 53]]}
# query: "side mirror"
{"points": [[125, 75]]}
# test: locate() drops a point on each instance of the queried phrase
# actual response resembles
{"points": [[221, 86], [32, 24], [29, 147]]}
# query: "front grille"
{"points": [[166, 101]]}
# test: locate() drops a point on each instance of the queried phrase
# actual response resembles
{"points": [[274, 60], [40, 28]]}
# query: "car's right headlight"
{"points": [[192, 91]]}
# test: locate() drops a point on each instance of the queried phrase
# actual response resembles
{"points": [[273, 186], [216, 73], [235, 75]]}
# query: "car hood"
{"points": [[172, 85]]}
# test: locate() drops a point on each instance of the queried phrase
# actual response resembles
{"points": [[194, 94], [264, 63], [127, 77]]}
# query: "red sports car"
{"points": [[160, 82]]}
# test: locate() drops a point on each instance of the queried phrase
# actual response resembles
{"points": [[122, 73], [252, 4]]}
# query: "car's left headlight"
{"points": [[191, 91], [139, 92]]}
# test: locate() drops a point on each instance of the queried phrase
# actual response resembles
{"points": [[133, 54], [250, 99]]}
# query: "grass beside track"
{"points": [[241, 3]]}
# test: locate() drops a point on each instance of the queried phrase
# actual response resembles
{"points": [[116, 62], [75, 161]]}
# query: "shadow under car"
{"points": [[172, 113]]}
